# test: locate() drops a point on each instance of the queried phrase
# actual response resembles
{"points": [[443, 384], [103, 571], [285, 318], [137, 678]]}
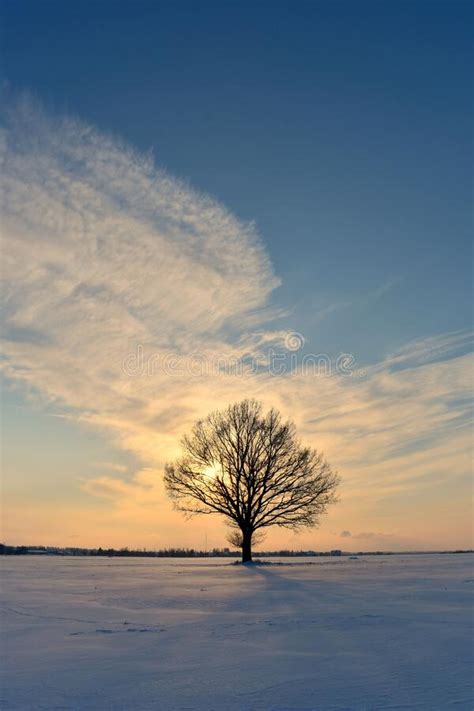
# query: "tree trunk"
{"points": [[246, 547]]}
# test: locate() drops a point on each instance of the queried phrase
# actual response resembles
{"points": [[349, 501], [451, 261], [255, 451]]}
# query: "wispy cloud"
{"points": [[323, 309], [374, 539], [110, 466], [104, 251]]}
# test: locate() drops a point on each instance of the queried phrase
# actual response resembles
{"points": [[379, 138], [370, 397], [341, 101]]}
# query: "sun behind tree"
{"points": [[261, 475]]}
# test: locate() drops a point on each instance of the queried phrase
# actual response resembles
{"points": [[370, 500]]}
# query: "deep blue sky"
{"points": [[342, 128]]}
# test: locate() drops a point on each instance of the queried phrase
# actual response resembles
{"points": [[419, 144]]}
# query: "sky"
{"points": [[190, 185]]}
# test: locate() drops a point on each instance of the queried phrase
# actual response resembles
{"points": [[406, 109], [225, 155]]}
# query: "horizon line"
{"points": [[124, 551]]}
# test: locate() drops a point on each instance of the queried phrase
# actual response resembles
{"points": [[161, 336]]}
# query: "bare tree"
{"points": [[251, 468]]}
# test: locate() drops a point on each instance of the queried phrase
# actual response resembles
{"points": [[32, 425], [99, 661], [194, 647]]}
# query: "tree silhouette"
{"points": [[251, 468]]}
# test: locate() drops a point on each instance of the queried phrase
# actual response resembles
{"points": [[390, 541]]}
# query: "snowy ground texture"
{"points": [[372, 633]]}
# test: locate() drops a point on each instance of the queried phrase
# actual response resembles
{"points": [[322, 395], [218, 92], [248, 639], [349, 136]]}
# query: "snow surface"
{"points": [[389, 632]]}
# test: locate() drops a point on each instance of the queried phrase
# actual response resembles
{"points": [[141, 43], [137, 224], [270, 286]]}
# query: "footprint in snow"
{"points": [[107, 631]]}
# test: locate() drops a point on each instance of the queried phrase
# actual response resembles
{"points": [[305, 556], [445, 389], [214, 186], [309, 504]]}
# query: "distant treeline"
{"points": [[141, 552], [189, 552]]}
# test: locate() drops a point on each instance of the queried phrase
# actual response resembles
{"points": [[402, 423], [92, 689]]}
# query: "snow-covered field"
{"points": [[391, 632]]}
